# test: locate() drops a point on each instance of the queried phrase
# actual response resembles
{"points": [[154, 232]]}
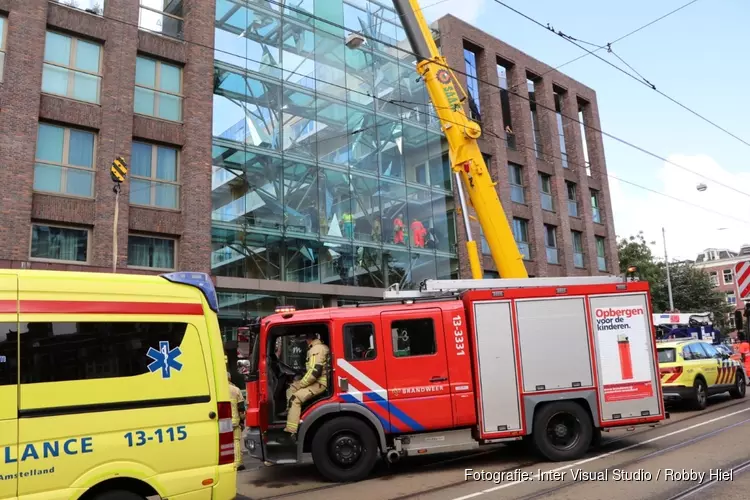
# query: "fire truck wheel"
{"points": [[738, 391], [700, 395], [344, 449], [562, 431]]}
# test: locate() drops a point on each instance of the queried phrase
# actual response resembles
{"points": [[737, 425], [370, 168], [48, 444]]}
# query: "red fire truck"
{"points": [[458, 365]]}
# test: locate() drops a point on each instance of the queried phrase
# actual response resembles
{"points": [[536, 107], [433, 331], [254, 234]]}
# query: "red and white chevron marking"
{"points": [[726, 373], [742, 275]]}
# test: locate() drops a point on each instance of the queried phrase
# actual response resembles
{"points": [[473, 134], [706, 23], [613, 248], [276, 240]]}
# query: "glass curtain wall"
{"points": [[328, 162]]}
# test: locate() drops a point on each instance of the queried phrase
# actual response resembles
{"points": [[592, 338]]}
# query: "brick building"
{"points": [[283, 165], [720, 263], [81, 86], [551, 171]]}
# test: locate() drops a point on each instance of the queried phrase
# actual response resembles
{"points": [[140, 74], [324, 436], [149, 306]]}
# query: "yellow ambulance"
{"points": [[112, 387]]}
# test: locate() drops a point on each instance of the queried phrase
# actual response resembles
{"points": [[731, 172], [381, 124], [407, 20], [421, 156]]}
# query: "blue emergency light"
{"points": [[202, 281]]}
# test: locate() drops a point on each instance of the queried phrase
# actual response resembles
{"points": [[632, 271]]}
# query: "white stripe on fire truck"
{"points": [[369, 384]]}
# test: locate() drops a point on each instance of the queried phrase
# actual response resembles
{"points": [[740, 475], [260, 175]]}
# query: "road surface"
{"points": [[692, 455]]}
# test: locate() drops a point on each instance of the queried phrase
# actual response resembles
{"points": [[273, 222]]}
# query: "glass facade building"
{"points": [[329, 165]]}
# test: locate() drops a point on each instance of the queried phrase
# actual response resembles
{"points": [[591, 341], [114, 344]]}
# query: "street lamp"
{"points": [[669, 279]]}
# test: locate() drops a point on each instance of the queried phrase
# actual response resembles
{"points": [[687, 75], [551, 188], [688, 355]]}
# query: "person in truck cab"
{"points": [[313, 383]]}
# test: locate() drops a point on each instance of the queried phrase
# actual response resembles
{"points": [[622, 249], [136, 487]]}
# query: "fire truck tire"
{"points": [[344, 449], [562, 431], [739, 389]]}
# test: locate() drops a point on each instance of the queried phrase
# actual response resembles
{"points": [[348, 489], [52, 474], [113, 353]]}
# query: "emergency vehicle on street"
{"points": [[557, 360], [459, 364], [692, 370], [113, 387]]}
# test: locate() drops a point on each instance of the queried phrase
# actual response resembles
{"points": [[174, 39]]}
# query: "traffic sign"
{"points": [[118, 170], [742, 276]]}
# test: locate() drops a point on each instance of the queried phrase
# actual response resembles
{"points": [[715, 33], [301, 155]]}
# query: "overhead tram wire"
{"points": [[526, 98], [529, 148], [640, 80], [485, 82], [623, 37], [488, 132]]}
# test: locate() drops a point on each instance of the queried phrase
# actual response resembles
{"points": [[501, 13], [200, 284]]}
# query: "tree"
{"points": [[634, 251], [692, 290]]}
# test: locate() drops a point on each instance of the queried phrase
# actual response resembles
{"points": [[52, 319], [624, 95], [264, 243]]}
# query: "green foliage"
{"points": [[692, 290]]}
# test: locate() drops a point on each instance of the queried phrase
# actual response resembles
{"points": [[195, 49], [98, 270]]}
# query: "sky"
{"points": [[698, 57]]}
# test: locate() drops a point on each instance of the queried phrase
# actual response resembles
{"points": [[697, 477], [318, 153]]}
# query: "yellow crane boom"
{"points": [[467, 163]]}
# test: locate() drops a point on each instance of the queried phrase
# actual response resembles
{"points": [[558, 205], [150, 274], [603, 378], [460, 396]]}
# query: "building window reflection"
{"points": [[327, 167]]}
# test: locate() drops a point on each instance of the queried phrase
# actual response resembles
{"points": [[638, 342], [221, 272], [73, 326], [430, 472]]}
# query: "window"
{"points": [[58, 352], [3, 31], [154, 176], [577, 248], [695, 351], [158, 89], [472, 83], [572, 199], [710, 350], [490, 275], [8, 354], [517, 191], [666, 355], [90, 6], [521, 235], [728, 277], [550, 241], [72, 67], [145, 251], [714, 278], [595, 210], [534, 118], [731, 298], [64, 161], [413, 337], [560, 131], [582, 121], [502, 76], [545, 186], [59, 243], [162, 16], [485, 245], [359, 342], [601, 253]]}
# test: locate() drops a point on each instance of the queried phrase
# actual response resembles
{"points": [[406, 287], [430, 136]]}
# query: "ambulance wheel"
{"points": [[738, 391], [344, 450], [562, 431], [118, 495], [700, 395]]}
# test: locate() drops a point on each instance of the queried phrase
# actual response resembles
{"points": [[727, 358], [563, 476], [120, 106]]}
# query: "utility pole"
{"points": [[118, 171], [669, 279]]}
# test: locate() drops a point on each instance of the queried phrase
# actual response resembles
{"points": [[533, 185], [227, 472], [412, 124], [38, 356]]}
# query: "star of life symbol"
{"points": [[164, 359]]}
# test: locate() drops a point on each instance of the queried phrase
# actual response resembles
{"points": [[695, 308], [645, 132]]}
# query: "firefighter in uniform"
{"points": [[235, 395], [312, 384]]}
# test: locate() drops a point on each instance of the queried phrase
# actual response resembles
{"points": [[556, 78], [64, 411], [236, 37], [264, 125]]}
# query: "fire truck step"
{"points": [[437, 442]]}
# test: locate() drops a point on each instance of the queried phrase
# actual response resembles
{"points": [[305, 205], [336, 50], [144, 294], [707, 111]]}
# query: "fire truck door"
{"points": [[417, 370]]}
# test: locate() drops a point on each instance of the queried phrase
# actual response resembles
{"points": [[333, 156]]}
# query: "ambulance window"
{"points": [[709, 350], [695, 352], [359, 342], [8, 357], [413, 337], [56, 352]]}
